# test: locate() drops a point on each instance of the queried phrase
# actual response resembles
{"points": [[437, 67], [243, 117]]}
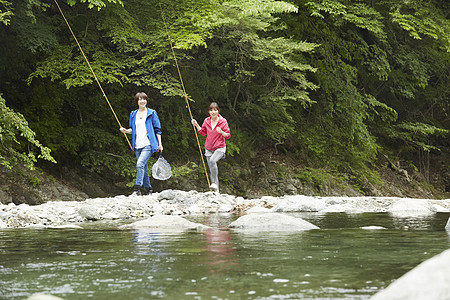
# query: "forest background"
{"points": [[352, 93]]}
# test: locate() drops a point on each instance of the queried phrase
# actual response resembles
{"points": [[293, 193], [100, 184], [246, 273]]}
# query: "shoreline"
{"points": [[180, 203]]}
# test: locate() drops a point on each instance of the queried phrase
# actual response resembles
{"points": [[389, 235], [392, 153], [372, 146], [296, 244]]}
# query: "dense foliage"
{"points": [[330, 82]]}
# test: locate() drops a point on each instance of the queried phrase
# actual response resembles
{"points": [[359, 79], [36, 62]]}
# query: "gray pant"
{"points": [[212, 157]]}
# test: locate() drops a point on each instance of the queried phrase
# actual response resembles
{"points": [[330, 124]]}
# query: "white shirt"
{"points": [[141, 134]]}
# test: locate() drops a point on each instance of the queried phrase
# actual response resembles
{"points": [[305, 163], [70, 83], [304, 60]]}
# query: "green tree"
{"points": [[18, 142], [335, 82], [5, 12], [374, 79], [15, 136]]}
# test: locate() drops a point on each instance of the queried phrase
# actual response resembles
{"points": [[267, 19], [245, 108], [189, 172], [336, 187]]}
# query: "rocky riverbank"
{"points": [[182, 203]]}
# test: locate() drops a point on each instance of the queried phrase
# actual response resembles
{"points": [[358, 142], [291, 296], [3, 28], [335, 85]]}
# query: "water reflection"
{"points": [[220, 250], [270, 240], [413, 223], [219, 244]]}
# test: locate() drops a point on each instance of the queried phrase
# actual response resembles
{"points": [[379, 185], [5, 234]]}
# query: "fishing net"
{"points": [[161, 169]]}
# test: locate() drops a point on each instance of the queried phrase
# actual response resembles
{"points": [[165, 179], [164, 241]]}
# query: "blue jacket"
{"points": [[152, 125]]}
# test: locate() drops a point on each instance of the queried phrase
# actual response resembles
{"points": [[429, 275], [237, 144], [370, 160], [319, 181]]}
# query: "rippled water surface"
{"points": [[338, 261]]}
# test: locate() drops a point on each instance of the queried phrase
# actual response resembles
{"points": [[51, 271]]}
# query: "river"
{"points": [[338, 261]]}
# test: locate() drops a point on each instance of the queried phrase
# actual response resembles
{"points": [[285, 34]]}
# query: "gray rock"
{"points": [[271, 222], [334, 201], [166, 223], [287, 189], [5, 198], [429, 280], [166, 195]]}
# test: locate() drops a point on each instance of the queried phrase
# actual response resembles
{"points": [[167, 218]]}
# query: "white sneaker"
{"points": [[213, 187]]}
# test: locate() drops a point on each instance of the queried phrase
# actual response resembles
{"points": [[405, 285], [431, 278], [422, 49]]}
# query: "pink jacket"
{"points": [[215, 140]]}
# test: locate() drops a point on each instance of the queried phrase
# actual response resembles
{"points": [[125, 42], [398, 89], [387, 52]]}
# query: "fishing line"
{"points": [[93, 73]]}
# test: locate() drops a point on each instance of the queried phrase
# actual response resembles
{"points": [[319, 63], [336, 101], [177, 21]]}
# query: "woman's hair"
{"points": [[140, 95], [213, 105]]}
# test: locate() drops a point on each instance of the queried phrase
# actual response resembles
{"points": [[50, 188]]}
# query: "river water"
{"points": [[338, 261]]}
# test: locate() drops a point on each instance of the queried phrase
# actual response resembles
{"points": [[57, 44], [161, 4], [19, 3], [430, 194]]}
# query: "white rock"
{"points": [[224, 208], [69, 210], [299, 203], [429, 280], [177, 212], [4, 215], [271, 222], [447, 227], [412, 208], [43, 297], [440, 208], [35, 226], [111, 216], [270, 199], [194, 209], [165, 222], [66, 226], [3, 225], [157, 208], [89, 212], [336, 208], [239, 201], [373, 227]]}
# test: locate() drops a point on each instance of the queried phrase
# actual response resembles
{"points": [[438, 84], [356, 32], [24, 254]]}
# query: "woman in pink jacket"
{"points": [[216, 129]]}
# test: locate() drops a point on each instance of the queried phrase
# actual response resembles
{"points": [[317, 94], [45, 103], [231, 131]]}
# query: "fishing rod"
{"points": [[185, 94], [93, 73]]}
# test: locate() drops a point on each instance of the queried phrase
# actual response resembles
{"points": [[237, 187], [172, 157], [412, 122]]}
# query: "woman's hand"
{"points": [[219, 130], [124, 130], [160, 146], [194, 122]]}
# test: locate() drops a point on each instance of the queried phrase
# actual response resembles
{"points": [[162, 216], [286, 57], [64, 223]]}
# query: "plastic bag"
{"points": [[161, 169]]}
